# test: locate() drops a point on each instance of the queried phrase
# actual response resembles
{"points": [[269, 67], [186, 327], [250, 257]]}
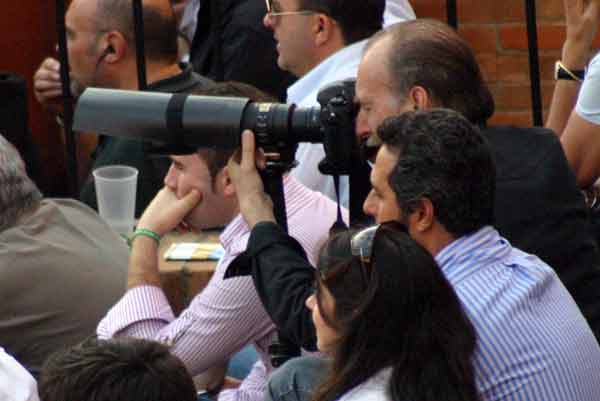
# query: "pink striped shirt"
{"points": [[227, 314]]}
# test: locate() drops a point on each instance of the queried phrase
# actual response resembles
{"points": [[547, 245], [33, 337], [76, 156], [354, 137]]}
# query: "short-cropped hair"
{"points": [[115, 370]]}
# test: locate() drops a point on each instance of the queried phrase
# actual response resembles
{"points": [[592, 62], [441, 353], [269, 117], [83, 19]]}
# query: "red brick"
{"points": [[481, 38], [518, 97], [488, 63], [476, 11], [514, 37], [429, 9]]}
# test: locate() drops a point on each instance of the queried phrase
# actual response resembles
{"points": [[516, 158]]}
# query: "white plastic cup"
{"points": [[115, 191]]}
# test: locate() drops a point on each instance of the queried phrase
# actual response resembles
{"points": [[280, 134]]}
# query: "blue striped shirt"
{"points": [[533, 342]]}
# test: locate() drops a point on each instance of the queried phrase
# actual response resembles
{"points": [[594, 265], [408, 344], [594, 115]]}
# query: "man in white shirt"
{"points": [[321, 41]]}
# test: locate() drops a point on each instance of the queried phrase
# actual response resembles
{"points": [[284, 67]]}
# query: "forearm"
{"points": [[143, 263]]}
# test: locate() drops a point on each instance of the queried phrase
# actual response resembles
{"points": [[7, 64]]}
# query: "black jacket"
{"points": [[539, 209], [232, 44]]}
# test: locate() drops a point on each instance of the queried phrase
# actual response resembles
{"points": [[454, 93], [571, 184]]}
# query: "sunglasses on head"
{"points": [[361, 246]]}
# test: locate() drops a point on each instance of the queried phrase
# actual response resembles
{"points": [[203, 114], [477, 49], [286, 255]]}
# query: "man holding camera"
{"points": [[227, 315], [321, 42], [536, 206]]}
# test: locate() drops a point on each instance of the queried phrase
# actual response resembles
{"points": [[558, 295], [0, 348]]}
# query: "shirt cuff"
{"points": [[138, 305]]}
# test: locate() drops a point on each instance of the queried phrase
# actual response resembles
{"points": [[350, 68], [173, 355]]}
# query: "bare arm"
{"points": [[582, 18]]}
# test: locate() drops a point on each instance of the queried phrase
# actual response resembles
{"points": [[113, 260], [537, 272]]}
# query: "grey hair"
{"points": [[18, 193]]}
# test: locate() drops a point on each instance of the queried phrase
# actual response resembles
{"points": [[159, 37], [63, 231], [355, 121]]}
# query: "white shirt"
{"points": [[341, 65], [373, 389], [16, 384], [189, 19]]}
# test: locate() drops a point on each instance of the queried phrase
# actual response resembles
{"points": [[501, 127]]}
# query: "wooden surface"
{"points": [[182, 280]]}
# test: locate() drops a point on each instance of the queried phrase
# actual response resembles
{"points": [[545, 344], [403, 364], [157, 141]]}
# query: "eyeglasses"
{"points": [[272, 12], [361, 246]]}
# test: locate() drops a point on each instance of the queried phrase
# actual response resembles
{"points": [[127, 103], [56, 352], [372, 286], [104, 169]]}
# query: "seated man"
{"points": [[435, 174], [61, 267], [102, 54], [116, 370], [226, 315]]}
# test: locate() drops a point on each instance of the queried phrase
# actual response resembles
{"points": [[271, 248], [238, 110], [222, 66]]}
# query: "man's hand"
{"points": [[166, 212], [47, 85], [255, 204], [582, 19]]}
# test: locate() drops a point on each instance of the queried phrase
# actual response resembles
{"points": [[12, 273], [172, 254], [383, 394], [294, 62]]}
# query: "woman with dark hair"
{"points": [[390, 320]]}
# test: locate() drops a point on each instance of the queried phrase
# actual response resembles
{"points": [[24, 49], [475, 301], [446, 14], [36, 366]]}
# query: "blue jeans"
{"points": [[296, 379], [241, 363]]}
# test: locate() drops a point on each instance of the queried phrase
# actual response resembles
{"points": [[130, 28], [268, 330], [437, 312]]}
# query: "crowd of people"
{"points": [[477, 277]]}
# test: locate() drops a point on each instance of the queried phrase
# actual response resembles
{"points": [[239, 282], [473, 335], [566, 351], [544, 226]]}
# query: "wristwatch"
{"points": [[562, 72]]}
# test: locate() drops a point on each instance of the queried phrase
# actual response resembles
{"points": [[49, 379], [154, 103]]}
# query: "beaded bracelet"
{"points": [[145, 233]]}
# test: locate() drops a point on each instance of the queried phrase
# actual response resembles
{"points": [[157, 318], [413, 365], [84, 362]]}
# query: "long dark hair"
{"points": [[395, 310]]}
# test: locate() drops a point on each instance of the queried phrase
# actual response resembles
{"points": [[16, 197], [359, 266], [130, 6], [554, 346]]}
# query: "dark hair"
{"points": [[432, 55], [444, 158], [217, 158], [358, 20], [406, 316], [115, 370], [160, 27]]}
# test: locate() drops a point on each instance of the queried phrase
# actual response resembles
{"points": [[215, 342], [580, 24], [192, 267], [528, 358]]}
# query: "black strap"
{"points": [[174, 116], [451, 13], [67, 99], [140, 53], [339, 224], [534, 64]]}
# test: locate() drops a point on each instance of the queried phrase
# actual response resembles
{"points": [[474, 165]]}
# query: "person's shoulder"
{"points": [[374, 389]]}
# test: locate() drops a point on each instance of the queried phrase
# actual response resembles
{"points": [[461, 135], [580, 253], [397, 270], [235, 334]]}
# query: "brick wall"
{"points": [[497, 32]]}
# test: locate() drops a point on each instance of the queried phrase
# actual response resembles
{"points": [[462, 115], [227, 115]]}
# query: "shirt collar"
{"points": [[482, 247], [347, 57], [175, 83]]}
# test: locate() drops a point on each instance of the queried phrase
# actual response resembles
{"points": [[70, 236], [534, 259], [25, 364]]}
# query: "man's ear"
{"points": [[324, 29], [224, 181], [116, 47], [420, 98], [423, 217]]}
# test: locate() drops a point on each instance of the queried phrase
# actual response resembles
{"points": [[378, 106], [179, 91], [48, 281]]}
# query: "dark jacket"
{"points": [[232, 44], [539, 209]]}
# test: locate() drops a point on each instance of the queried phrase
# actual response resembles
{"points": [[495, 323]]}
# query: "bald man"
{"points": [[101, 44]]}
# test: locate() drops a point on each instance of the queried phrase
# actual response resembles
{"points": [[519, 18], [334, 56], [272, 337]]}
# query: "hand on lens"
{"points": [[255, 204]]}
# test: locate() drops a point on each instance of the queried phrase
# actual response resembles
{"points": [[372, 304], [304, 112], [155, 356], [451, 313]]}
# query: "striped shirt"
{"points": [[533, 342], [227, 314]]}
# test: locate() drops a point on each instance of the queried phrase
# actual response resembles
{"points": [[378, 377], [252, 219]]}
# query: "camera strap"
{"points": [[339, 224], [174, 116]]}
